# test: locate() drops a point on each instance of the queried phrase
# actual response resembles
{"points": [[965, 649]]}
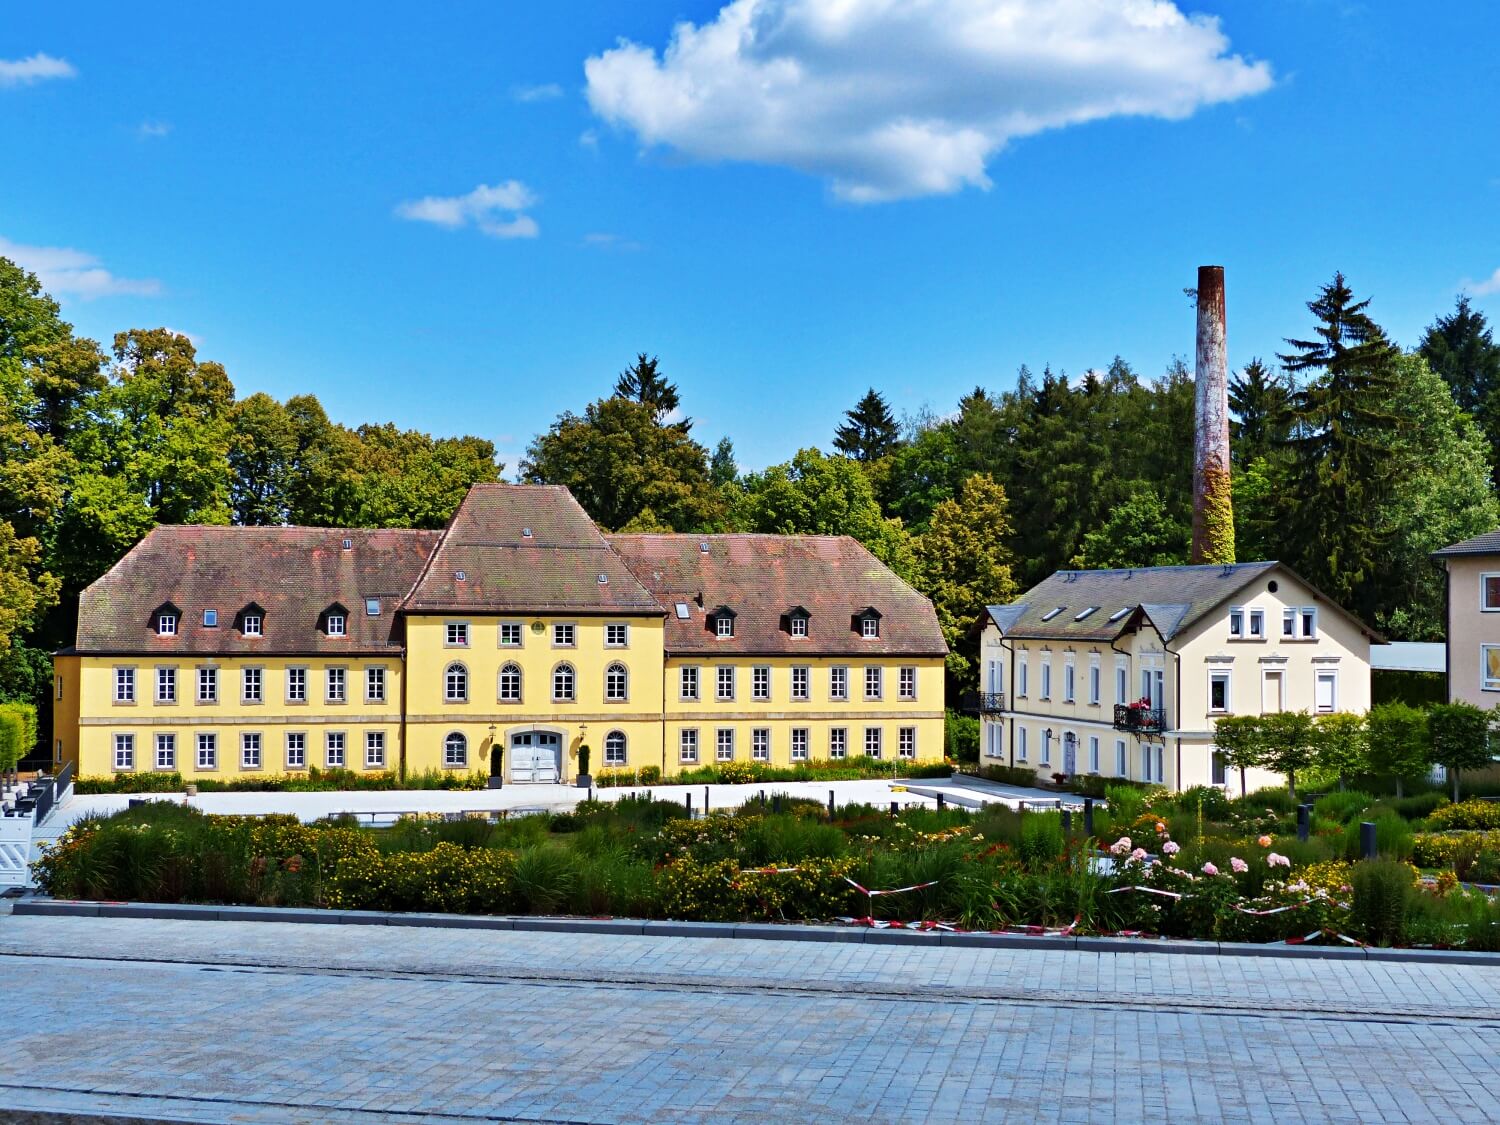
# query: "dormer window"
{"points": [[334, 621], [867, 623], [795, 621], [335, 625], [799, 626], [250, 625], [722, 620], [166, 624], [250, 620]]}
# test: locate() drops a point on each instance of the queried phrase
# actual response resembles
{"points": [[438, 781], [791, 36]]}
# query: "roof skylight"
{"points": [[1051, 613], [1085, 613], [1119, 613]]}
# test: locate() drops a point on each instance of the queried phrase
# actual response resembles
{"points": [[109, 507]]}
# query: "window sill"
{"points": [[296, 703], [1248, 640]]}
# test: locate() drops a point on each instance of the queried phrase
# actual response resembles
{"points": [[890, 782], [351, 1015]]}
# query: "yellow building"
{"points": [[503, 644]]}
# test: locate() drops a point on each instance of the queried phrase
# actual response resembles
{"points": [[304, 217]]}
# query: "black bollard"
{"points": [[1304, 822], [1367, 845], [705, 800], [893, 808], [1022, 807], [1067, 821], [830, 804], [1088, 816], [690, 806], [776, 803], [942, 804]]}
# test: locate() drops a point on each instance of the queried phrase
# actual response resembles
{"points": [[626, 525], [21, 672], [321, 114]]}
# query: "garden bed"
{"points": [[1191, 866]]}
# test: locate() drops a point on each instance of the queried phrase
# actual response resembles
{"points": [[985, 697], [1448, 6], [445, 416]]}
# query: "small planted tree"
{"points": [[1241, 739], [1342, 745], [1398, 742], [1291, 744], [1459, 737]]}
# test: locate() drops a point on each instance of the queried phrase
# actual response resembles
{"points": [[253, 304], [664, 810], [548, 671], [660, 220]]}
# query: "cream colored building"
{"points": [[1123, 673], [1473, 568]]}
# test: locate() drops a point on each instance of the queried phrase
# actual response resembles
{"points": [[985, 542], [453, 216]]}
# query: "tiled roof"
{"points": [[293, 573], [1486, 544], [762, 578], [557, 568], [1173, 597]]}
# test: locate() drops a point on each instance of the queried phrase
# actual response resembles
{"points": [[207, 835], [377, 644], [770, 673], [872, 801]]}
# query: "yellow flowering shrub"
{"points": [[447, 879], [722, 891], [1467, 814], [1437, 849]]}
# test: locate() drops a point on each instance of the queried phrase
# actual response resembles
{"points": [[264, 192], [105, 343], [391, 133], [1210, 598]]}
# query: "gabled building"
{"points": [[503, 643], [1123, 673], [1473, 625]]}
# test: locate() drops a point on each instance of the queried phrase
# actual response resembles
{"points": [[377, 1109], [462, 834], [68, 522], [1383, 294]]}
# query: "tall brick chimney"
{"points": [[1213, 508]]}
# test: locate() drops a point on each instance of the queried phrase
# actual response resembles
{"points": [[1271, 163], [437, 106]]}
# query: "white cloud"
{"points": [[542, 93], [891, 99], [589, 139], [602, 240], [72, 273], [36, 68], [497, 211], [1486, 287], [149, 130]]}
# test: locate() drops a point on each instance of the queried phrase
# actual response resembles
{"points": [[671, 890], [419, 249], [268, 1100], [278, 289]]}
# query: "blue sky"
{"points": [[804, 199]]}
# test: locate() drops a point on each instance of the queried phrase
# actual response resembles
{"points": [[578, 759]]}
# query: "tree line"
{"points": [[1353, 460]]}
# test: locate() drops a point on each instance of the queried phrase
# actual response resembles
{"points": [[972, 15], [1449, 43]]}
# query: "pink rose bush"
{"points": [[1275, 860], [1171, 847], [1210, 869], [1120, 846]]}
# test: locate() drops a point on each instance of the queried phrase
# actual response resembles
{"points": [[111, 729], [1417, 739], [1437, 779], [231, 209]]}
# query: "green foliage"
{"points": [[1467, 814], [1137, 532], [1242, 741], [1341, 744], [1290, 744], [961, 735], [18, 733], [1343, 806], [1209, 799], [1393, 835], [1042, 840], [1461, 348], [1382, 892], [643, 382], [1398, 741], [869, 431], [1458, 736]]}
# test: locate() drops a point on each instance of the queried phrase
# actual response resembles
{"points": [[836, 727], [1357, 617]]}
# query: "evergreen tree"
{"points": [[643, 382], [1260, 401], [871, 430], [722, 468], [1334, 521], [1462, 349]]}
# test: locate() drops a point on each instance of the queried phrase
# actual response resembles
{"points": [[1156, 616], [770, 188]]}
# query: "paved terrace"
{"points": [[219, 1021]]}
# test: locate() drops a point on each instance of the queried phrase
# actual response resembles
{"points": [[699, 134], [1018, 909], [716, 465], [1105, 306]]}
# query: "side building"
{"points": [[504, 644], [1123, 673], [1473, 625]]}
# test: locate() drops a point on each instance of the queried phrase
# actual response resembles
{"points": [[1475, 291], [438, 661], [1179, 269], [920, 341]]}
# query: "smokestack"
{"points": [[1213, 508]]}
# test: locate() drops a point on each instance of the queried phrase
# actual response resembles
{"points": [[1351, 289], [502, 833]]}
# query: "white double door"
{"points": [[536, 755]]}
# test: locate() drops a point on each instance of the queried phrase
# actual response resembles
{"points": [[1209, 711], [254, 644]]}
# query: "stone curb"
{"points": [[761, 931]]}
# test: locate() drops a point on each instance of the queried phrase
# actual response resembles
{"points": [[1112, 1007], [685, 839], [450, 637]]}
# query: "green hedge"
{"points": [[314, 781], [17, 733], [751, 773]]}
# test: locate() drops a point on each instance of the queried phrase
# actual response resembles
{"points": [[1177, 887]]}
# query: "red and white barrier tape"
{"points": [[1148, 890], [895, 891]]}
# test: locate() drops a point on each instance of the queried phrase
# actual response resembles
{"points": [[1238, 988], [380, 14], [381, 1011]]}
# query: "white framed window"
{"points": [[296, 751], [1093, 753], [336, 682], [208, 752], [456, 684], [801, 678], [1047, 678], [455, 752], [907, 680], [166, 685], [250, 685], [838, 743], [687, 746], [1489, 593], [510, 682], [1023, 677], [1122, 680], [906, 742], [372, 607], [1122, 766], [873, 681], [1069, 678], [799, 744], [614, 749], [296, 685], [1161, 765], [1218, 692], [616, 683], [564, 635], [333, 749], [724, 744], [208, 685], [724, 683], [124, 685], [723, 625], [1257, 619], [687, 678], [760, 744], [869, 627], [616, 635], [511, 634], [564, 684], [1307, 623], [1220, 769], [374, 749], [166, 751], [335, 625], [994, 740], [1326, 691], [760, 683], [1094, 678], [124, 751], [456, 634], [838, 683], [166, 625], [1289, 622], [797, 625], [1489, 667], [375, 684], [1046, 759], [210, 619], [1021, 749], [872, 742], [1146, 757], [1237, 621], [249, 751], [250, 625]]}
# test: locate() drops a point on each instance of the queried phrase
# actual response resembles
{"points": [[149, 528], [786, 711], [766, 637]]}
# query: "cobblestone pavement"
{"points": [[258, 1022]]}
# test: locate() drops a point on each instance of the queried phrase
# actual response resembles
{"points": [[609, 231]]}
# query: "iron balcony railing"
{"points": [[1140, 720], [982, 702]]}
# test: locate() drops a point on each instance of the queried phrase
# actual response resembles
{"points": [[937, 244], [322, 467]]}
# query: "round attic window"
{"points": [[1271, 586], [538, 627]]}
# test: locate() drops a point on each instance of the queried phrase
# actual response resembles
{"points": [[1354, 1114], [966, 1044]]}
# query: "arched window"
{"points": [[563, 683], [455, 751], [510, 683], [614, 749], [616, 683], [456, 684]]}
